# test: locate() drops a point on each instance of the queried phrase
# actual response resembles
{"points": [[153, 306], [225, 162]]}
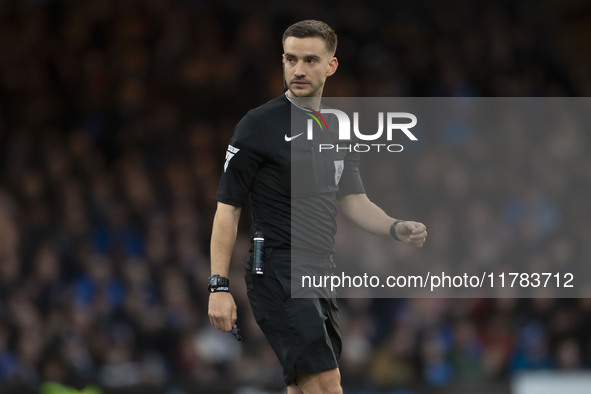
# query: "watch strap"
{"points": [[218, 283], [225, 289]]}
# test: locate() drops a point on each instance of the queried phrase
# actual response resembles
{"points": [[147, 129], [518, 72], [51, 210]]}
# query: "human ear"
{"points": [[332, 66]]}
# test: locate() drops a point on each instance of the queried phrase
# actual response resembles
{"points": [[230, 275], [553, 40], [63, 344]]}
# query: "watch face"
{"points": [[218, 282], [213, 280]]}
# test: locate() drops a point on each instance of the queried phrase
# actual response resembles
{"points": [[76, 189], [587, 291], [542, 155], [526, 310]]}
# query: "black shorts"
{"points": [[304, 332]]}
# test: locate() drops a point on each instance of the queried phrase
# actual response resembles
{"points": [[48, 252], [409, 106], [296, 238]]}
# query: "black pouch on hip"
{"points": [[258, 249]]}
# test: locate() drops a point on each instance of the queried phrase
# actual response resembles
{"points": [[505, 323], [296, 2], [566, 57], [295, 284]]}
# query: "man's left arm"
{"points": [[371, 218]]}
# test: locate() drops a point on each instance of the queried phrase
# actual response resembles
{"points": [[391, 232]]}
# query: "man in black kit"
{"points": [[304, 332]]}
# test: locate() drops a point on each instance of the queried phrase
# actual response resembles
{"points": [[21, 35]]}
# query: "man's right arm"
{"points": [[222, 308]]}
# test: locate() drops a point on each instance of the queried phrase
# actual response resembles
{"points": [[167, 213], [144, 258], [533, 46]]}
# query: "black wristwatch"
{"points": [[393, 230], [218, 283]]}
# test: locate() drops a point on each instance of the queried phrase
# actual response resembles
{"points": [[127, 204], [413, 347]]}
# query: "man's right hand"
{"points": [[222, 311]]}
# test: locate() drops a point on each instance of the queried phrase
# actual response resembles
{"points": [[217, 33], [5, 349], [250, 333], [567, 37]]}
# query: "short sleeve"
{"points": [[351, 182], [243, 159]]}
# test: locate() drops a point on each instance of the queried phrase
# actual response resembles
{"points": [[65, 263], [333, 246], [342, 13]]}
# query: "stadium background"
{"points": [[114, 117]]}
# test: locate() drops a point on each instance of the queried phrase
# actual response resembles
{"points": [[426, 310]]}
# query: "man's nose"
{"points": [[299, 70]]}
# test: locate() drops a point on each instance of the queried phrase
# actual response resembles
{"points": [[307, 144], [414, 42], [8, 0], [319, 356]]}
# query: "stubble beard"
{"points": [[310, 91]]}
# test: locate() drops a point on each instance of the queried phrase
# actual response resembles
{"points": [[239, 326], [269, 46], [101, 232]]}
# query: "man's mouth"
{"points": [[299, 83]]}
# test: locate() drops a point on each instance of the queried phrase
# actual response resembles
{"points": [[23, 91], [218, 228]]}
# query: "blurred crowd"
{"points": [[114, 117]]}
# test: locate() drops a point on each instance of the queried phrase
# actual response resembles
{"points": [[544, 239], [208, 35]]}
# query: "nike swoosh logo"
{"points": [[288, 139]]}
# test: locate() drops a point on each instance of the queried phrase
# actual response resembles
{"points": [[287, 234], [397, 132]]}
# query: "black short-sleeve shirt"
{"points": [[293, 186]]}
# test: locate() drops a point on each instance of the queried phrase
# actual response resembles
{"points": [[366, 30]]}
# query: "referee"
{"points": [[304, 332]]}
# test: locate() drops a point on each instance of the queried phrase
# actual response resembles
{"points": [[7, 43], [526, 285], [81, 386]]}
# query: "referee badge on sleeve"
{"points": [[339, 165], [229, 155]]}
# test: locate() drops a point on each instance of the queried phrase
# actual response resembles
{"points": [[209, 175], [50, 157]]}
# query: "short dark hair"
{"points": [[313, 28]]}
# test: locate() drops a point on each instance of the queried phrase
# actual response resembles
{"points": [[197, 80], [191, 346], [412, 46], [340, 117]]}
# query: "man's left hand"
{"points": [[411, 233]]}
